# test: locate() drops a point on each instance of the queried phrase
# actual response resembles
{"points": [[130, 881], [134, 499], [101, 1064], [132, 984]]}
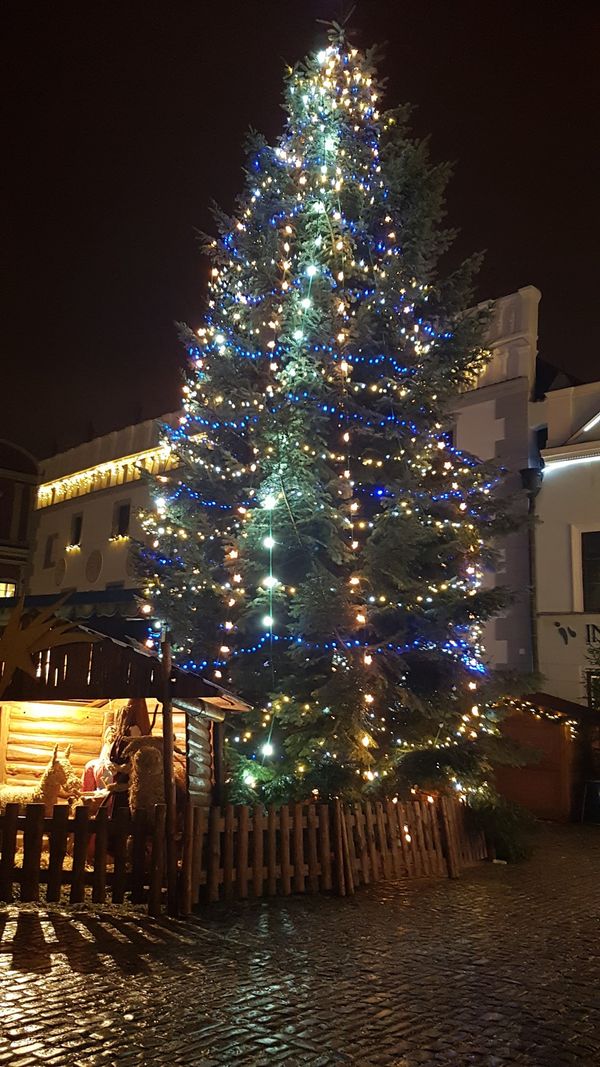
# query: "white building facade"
{"points": [[87, 516], [568, 545]]}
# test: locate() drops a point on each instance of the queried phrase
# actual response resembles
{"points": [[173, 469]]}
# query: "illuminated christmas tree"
{"points": [[321, 545]]}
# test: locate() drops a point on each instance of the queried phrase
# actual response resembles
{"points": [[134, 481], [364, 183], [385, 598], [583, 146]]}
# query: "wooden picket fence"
{"points": [[231, 852], [97, 858], [235, 852]]}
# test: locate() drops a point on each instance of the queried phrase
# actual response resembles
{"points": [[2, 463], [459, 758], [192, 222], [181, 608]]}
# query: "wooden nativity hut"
{"points": [[65, 685]]}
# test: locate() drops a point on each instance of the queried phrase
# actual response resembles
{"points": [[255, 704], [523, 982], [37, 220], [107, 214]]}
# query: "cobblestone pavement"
{"points": [[499, 968]]}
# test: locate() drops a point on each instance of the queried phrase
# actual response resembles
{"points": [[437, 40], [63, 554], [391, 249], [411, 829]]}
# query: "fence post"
{"points": [[448, 838], [80, 845], [298, 843], [313, 858], [284, 848], [257, 850], [58, 847], [228, 851], [348, 872], [100, 852], [186, 859], [213, 858], [242, 850], [120, 828], [324, 846], [32, 851], [197, 850], [338, 849], [157, 861], [272, 851], [8, 822]]}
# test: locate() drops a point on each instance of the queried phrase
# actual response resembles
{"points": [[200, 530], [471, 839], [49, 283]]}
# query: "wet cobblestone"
{"points": [[498, 969]]}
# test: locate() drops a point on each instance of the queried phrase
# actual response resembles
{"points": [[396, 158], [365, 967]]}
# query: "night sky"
{"points": [[122, 122]]}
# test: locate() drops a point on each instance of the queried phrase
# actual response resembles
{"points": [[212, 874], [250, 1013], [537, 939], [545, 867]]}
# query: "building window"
{"points": [[590, 570], [49, 560], [8, 589], [76, 529], [541, 437], [121, 516]]}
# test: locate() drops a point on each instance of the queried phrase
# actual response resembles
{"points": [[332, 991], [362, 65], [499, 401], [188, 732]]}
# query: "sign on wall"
{"points": [[569, 647]]}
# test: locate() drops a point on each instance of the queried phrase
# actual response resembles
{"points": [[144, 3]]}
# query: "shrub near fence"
{"points": [[231, 852]]}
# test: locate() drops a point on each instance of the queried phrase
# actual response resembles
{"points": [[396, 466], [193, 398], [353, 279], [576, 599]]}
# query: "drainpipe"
{"points": [[531, 480]]}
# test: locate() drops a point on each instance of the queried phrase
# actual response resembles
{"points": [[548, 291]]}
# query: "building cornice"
{"points": [[582, 452], [107, 475]]}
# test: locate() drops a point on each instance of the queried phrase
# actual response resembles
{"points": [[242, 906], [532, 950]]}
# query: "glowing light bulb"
{"points": [[269, 502], [311, 270], [249, 780], [366, 740], [269, 542], [267, 621], [369, 698], [267, 749], [270, 582], [161, 503]]}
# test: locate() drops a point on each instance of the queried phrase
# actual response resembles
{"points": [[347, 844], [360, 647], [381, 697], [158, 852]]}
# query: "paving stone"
{"points": [[498, 969]]}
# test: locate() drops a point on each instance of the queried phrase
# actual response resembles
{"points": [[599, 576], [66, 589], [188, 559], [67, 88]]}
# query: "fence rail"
{"points": [[231, 852]]}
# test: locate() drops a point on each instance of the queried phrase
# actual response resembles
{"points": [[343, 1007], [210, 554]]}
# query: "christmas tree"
{"points": [[321, 545]]}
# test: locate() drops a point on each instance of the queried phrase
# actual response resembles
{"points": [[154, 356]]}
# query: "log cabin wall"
{"points": [[194, 737], [29, 732], [200, 759], [178, 725]]}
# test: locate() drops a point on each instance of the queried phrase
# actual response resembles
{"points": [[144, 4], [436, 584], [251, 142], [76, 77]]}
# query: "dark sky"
{"points": [[122, 122]]}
